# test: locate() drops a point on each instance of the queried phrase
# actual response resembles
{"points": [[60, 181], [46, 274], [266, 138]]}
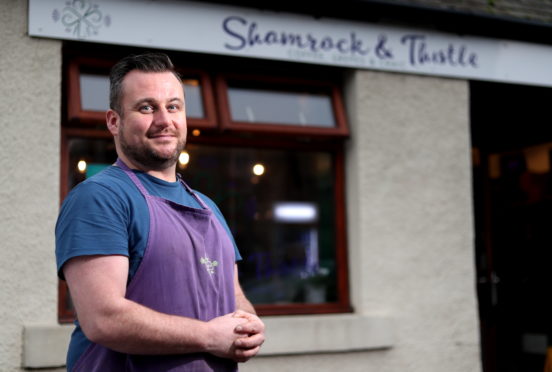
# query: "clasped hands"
{"points": [[237, 336], [251, 336]]}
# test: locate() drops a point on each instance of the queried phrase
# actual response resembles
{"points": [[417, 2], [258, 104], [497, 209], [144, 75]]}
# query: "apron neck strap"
{"points": [[191, 192], [121, 164]]}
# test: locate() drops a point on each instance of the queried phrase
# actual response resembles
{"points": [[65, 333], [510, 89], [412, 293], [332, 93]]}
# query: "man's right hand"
{"points": [[222, 336]]}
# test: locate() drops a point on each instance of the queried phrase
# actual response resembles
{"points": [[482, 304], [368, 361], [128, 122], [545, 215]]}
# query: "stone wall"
{"points": [[30, 76]]}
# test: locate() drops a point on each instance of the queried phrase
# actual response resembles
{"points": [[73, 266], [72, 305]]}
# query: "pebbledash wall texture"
{"points": [[30, 75], [410, 234]]}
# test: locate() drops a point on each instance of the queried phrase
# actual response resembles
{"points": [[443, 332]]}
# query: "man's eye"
{"points": [[146, 109], [173, 107]]}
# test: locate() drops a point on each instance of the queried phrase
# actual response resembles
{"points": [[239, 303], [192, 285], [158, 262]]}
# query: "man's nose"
{"points": [[161, 117]]}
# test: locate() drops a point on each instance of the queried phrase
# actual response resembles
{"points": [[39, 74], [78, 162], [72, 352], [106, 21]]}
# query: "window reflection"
{"points": [[282, 219], [281, 107], [194, 102], [94, 92], [87, 157]]}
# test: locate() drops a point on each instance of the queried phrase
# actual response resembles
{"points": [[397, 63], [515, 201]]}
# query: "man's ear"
{"points": [[113, 120]]}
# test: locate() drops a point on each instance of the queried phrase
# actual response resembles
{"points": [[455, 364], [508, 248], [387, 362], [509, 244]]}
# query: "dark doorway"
{"points": [[512, 149]]}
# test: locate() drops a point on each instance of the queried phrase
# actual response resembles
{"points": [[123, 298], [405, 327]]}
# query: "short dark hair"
{"points": [[148, 62]]}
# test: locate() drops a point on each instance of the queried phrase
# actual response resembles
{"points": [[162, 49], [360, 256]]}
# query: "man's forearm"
{"points": [[134, 329], [242, 303], [98, 285]]}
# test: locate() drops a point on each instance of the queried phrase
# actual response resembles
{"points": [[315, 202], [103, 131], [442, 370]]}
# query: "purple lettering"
{"points": [[341, 47], [271, 38], [411, 40], [253, 37], [327, 43], [229, 31], [356, 45]]}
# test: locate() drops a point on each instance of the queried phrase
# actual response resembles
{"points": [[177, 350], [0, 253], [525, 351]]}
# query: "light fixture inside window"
{"points": [[81, 166], [295, 212], [184, 158], [258, 169]]}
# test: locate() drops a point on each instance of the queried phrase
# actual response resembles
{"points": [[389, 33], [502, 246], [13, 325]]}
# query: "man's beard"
{"points": [[149, 157]]}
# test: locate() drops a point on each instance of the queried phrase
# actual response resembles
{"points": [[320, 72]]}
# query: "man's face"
{"points": [[151, 129]]}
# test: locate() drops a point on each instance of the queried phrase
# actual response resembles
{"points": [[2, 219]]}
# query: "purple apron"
{"points": [[187, 270]]}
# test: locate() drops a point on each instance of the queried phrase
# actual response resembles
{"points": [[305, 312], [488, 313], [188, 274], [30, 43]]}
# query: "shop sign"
{"points": [[246, 32]]}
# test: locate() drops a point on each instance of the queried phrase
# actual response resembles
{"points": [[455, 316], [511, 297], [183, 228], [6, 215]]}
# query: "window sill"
{"points": [[326, 333], [46, 346]]}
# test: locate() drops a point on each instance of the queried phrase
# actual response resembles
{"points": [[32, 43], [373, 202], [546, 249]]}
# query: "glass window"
{"points": [[194, 102], [268, 151], [279, 206], [282, 107], [88, 156], [94, 92]]}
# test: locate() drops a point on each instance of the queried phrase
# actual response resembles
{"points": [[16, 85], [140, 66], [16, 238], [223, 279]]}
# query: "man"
{"points": [[150, 264]]}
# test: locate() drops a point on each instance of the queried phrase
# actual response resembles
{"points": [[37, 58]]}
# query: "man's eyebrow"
{"points": [[144, 100], [151, 100]]}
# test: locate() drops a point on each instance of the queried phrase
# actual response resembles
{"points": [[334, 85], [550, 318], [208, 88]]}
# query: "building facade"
{"points": [[408, 231]]}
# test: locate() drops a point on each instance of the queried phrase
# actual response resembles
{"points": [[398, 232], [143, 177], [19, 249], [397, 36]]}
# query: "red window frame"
{"points": [[76, 115], [339, 131], [218, 129]]}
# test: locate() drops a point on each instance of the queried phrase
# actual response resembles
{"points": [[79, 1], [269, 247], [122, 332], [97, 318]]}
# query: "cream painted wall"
{"points": [[411, 238], [30, 75], [410, 227]]}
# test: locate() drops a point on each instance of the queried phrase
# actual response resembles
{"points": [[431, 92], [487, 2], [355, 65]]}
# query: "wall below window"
{"points": [[30, 75]]}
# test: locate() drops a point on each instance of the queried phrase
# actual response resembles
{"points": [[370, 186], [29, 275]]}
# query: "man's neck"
{"points": [[166, 174]]}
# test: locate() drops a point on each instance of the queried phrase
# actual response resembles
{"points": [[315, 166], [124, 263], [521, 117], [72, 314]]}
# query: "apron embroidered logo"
{"points": [[209, 265]]}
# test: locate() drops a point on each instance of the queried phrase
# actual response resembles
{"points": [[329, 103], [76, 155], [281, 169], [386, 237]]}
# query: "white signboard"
{"points": [[246, 32]]}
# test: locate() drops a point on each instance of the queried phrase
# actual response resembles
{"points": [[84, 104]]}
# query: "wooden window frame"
{"points": [[342, 304], [65, 315], [77, 115], [90, 124], [75, 112], [339, 131]]}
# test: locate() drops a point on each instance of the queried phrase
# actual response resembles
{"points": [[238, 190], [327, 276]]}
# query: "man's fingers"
{"points": [[243, 355], [250, 342], [244, 314], [250, 328], [253, 325]]}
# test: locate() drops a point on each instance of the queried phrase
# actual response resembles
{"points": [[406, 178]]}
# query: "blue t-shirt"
{"points": [[107, 215]]}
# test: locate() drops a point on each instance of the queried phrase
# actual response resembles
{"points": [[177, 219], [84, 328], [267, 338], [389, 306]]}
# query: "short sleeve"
{"points": [[93, 220]]}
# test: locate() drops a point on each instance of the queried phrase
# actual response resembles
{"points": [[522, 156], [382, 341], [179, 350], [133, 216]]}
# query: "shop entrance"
{"points": [[512, 150]]}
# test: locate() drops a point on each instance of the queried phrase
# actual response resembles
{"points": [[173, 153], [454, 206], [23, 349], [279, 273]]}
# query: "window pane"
{"points": [[87, 157], [94, 92], [281, 107], [282, 219], [194, 102]]}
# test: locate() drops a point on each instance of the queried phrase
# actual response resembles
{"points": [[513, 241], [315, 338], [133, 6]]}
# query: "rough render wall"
{"points": [[410, 226], [411, 233], [30, 75]]}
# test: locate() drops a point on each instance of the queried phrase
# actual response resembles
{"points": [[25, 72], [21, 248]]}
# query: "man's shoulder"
{"points": [[110, 176], [111, 180]]}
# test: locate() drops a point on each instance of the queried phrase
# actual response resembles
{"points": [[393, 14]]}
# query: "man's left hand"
{"points": [[253, 336]]}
